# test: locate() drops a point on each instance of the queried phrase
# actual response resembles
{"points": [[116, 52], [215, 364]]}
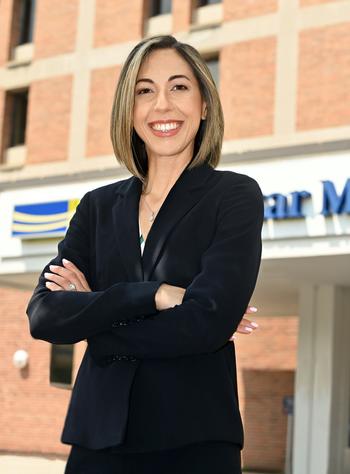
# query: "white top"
{"points": [[142, 241]]}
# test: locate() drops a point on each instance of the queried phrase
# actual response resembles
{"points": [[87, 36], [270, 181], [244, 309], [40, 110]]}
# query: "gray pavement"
{"points": [[20, 464]]}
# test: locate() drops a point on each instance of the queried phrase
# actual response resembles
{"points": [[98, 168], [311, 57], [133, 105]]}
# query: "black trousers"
{"points": [[210, 457]]}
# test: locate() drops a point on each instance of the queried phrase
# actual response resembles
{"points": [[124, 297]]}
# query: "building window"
{"points": [[159, 7], [213, 65], [204, 3], [17, 103], [23, 22], [61, 364], [26, 21]]}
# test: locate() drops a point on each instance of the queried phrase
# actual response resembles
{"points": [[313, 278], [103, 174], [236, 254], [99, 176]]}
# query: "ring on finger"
{"points": [[71, 286]]}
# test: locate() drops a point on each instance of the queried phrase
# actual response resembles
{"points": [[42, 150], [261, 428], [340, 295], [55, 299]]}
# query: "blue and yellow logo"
{"points": [[47, 219]]}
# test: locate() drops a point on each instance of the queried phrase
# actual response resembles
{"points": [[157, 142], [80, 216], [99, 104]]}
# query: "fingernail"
{"points": [[53, 267], [64, 260], [254, 324], [253, 308], [247, 328]]}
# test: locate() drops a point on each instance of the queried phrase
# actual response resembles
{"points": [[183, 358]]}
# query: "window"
{"points": [[204, 3], [61, 365], [26, 21], [159, 7], [16, 111], [213, 65]]}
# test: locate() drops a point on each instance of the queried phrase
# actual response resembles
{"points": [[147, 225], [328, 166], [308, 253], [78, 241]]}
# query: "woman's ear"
{"points": [[204, 111]]}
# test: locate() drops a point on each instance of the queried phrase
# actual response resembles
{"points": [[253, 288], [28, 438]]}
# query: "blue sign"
{"points": [[289, 206], [46, 219]]}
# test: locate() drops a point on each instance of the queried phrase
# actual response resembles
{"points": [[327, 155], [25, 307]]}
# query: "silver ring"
{"points": [[71, 286]]}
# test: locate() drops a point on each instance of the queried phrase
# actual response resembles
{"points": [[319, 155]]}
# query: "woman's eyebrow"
{"points": [[171, 78]]}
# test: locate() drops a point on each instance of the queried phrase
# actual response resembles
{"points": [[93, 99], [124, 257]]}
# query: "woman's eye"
{"points": [[145, 90], [181, 85], [141, 90]]}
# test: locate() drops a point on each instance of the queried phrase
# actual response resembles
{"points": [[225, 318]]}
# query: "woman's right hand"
{"points": [[168, 296]]}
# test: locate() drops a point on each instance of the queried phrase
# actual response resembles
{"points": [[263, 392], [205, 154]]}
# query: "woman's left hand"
{"points": [[62, 277], [246, 326]]}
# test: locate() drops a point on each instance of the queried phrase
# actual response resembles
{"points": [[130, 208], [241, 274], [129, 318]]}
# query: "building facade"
{"points": [[282, 68]]}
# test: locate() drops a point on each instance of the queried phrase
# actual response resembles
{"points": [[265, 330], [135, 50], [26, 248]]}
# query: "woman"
{"points": [[156, 272]]}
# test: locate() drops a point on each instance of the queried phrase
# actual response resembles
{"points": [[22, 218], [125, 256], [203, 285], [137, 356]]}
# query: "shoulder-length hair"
{"points": [[128, 147]]}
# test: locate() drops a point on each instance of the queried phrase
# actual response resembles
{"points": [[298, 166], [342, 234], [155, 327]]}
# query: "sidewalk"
{"points": [[17, 464]]}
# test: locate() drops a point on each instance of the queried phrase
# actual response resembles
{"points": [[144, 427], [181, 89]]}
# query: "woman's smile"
{"points": [[168, 129]]}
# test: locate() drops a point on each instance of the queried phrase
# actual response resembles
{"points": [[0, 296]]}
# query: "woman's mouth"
{"points": [[165, 129]]}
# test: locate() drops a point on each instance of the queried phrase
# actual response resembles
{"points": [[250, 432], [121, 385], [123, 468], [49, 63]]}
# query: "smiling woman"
{"points": [[162, 266]]}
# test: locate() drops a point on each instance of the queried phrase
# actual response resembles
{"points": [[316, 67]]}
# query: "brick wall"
{"points": [[266, 362], [55, 27], [241, 9], [118, 21], [247, 78], [6, 18], [103, 83], [49, 109], [32, 412], [324, 77]]}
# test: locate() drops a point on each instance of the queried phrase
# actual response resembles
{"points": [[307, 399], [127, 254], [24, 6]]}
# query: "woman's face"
{"points": [[168, 105]]}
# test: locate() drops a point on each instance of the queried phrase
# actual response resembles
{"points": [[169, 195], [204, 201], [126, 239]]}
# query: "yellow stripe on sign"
{"points": [[24, 217], [72, 205], [39, 227]]}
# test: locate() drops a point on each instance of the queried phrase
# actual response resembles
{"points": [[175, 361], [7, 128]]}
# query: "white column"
{"points": [[322, 392]]}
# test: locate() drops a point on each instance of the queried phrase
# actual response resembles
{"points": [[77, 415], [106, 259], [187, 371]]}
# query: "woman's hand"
{"points": [[168, 296], [246, 326], [64, 276]]}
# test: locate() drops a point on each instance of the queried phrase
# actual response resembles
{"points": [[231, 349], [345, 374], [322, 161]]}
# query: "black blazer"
{"points": [[156, 379]]}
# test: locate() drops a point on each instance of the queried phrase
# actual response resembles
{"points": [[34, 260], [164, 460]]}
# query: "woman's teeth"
{"points": [[166, 127]]}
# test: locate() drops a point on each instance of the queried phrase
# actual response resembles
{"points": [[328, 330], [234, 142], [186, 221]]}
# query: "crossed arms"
{"points": [[212, 306]]}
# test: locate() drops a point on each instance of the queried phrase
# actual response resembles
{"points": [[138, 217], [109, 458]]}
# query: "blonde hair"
{"points": [[128, 147]]}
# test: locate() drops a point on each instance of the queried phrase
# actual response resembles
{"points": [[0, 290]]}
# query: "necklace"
{"points": [[153, 214]]}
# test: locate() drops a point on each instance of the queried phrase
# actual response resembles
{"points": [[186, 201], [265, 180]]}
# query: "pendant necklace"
{"points": [[153, 214]]}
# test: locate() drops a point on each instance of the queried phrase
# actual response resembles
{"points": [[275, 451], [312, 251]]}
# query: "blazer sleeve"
{"points": [[215, 301], [67, 317]]}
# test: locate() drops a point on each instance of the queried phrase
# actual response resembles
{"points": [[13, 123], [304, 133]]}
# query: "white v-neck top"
{"points": [[142, 241]]}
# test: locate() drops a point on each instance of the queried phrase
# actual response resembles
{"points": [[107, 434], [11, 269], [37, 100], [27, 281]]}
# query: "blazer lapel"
{"points": [[185, 193]]}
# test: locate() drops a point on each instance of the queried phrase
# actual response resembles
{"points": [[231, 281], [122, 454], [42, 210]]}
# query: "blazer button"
{"points": [[119, 323]]}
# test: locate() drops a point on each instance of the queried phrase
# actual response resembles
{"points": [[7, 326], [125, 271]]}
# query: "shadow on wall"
{"points": [[265, 422]]}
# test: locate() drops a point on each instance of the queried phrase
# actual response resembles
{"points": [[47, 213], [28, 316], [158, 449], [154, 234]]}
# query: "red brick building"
{"points": [[283, 73]]}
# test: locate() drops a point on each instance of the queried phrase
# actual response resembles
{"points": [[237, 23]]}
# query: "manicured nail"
{"points": [[64, 260], [247, 328], [253, 308], [254, 324], [53, 267]]}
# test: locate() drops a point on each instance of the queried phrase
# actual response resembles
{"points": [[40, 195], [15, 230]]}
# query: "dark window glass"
{"points": [[203, 3], [61, 365], [26, 21], [18, 117], [160, 7], [213, 65]]}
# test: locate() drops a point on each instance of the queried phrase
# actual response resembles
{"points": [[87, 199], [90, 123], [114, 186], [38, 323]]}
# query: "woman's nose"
{"points": [[162, 101]]}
